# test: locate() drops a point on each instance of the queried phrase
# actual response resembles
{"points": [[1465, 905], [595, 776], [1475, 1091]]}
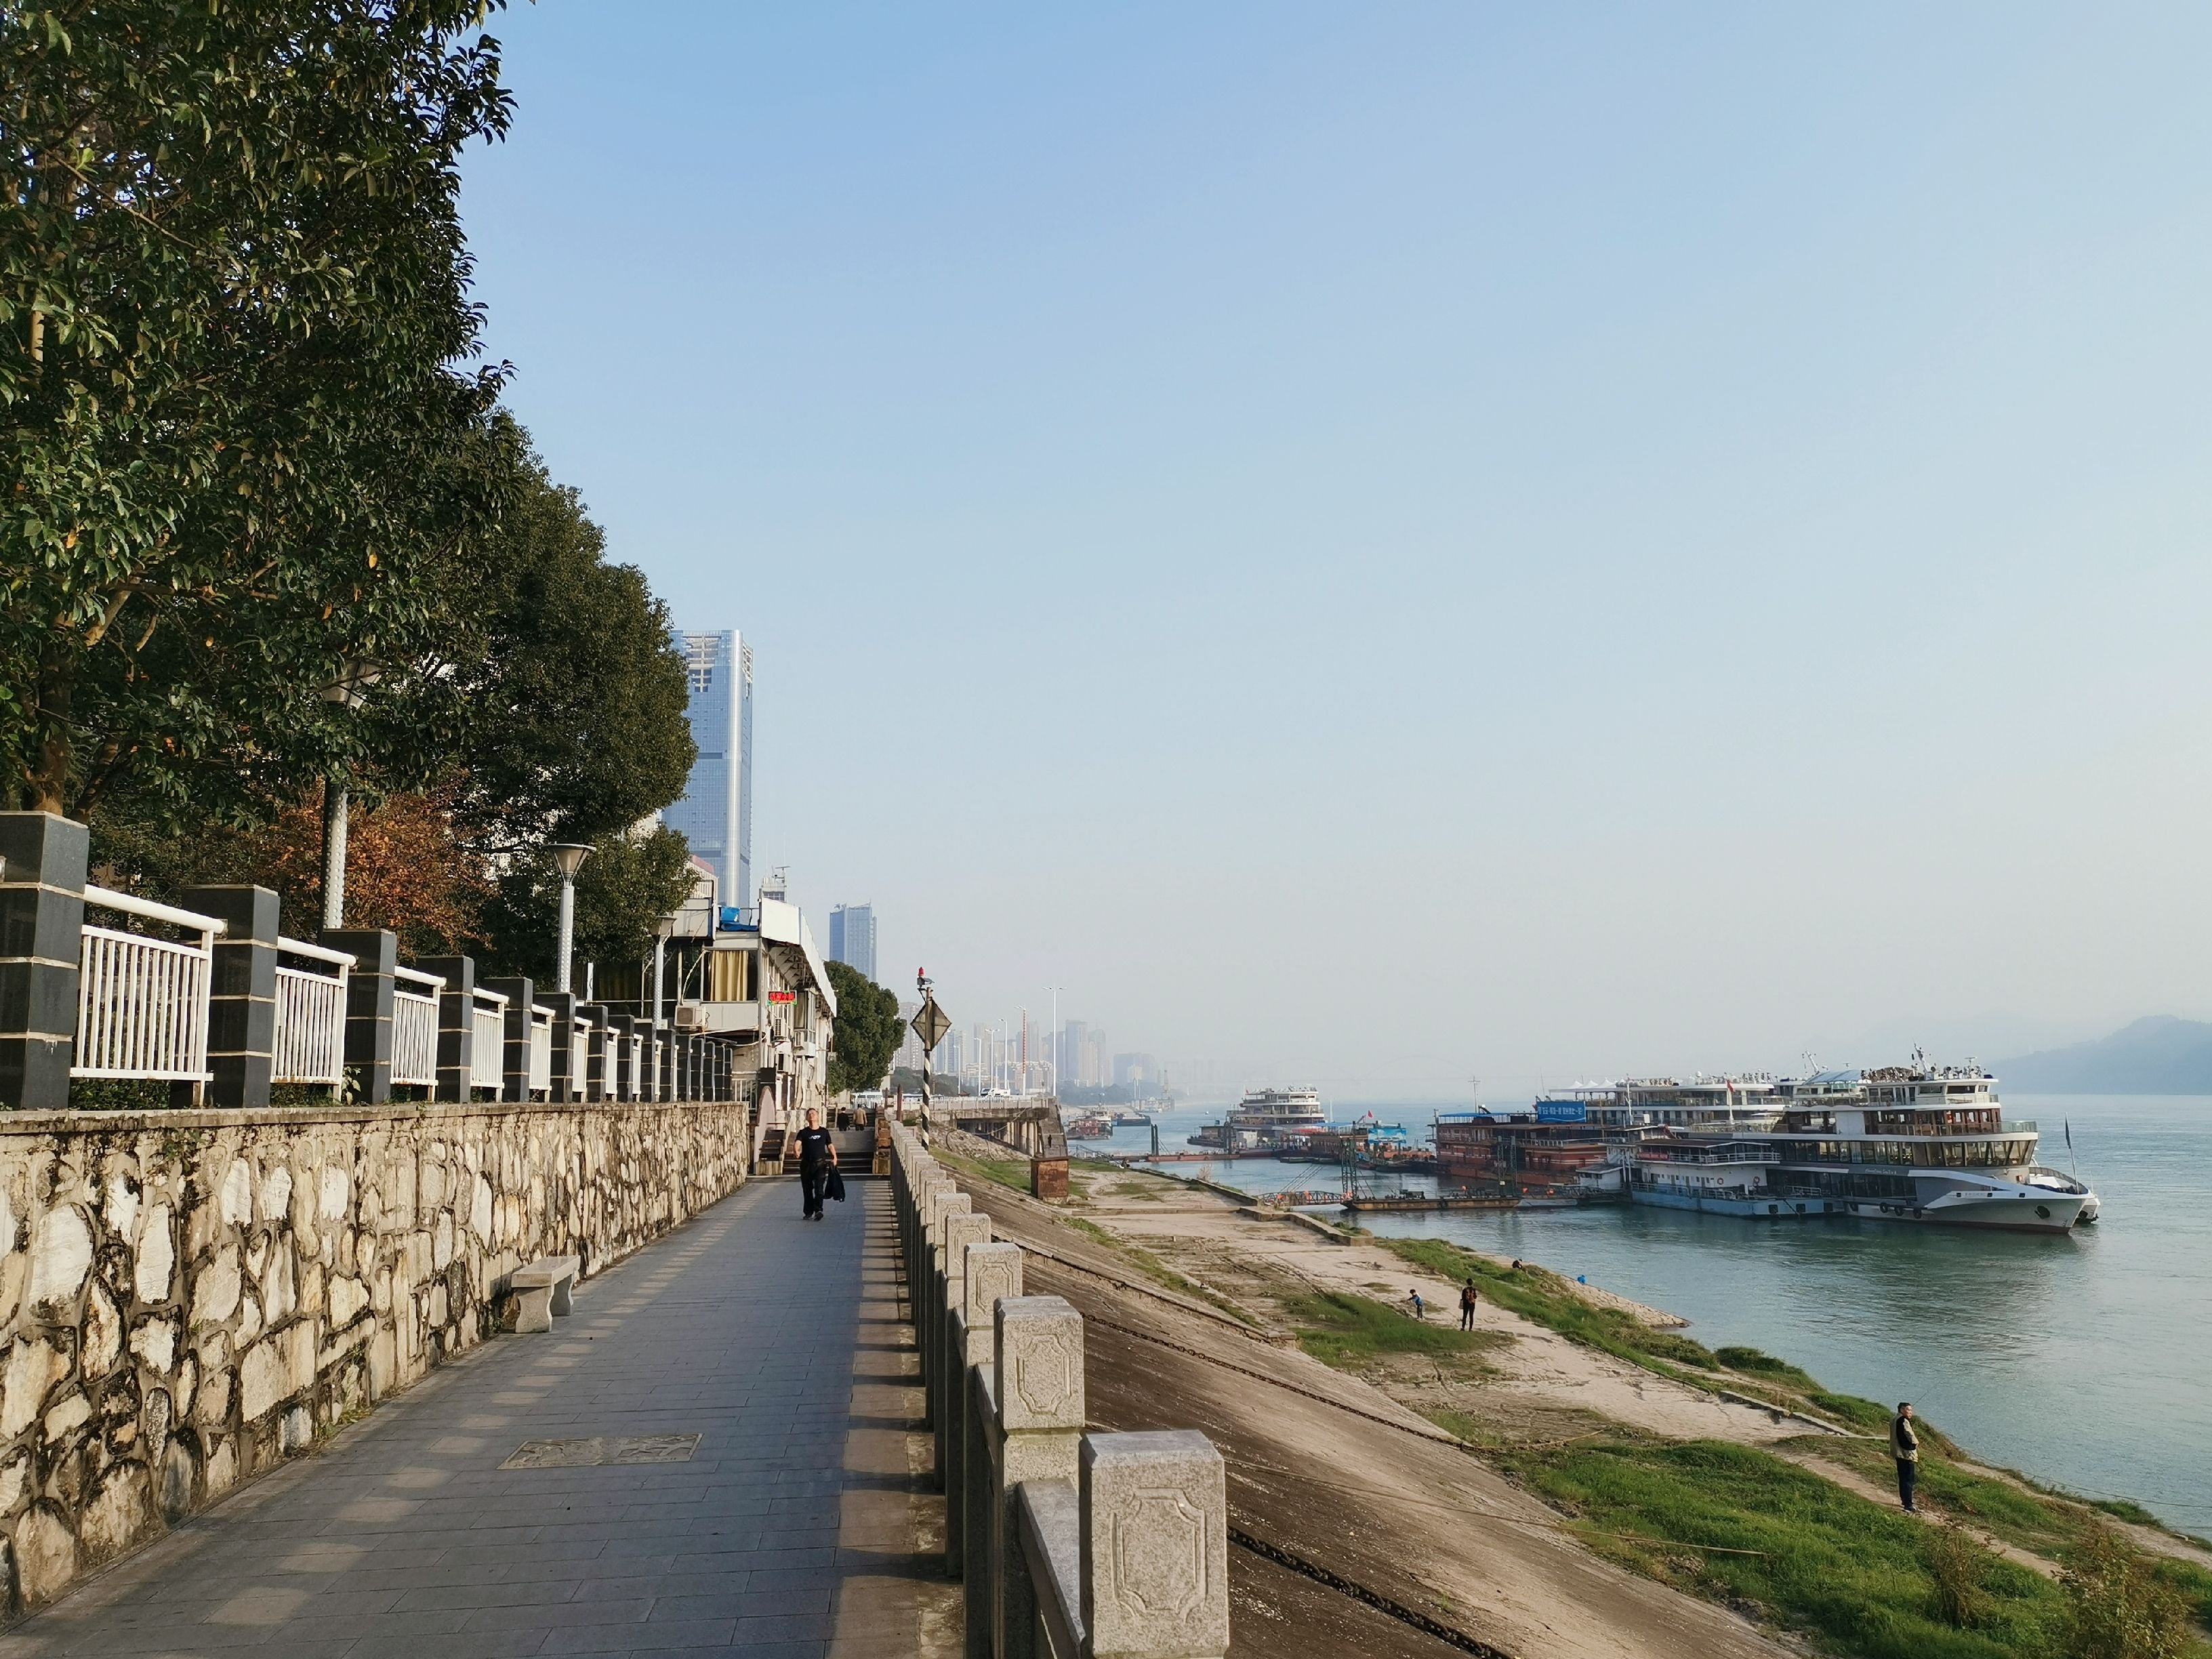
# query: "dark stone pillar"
{"points": [[595, 1067], [568, 1056], [457, 1010], [241, 1051], [514, 1045], [369, 990], [622, 1080], [41, 944]]}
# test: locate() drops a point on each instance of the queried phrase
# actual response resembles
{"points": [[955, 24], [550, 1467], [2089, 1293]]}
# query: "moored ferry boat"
{"points": [[1266, 1118], [1901, 1143]]}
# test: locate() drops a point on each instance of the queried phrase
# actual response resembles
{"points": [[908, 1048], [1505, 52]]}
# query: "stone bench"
{"points": [[544, 1288]]}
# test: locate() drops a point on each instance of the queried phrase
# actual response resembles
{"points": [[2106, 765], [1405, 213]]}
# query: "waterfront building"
{"points": [[716, 812], [853, 938]]}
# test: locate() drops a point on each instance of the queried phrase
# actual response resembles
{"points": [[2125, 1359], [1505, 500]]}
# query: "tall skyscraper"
{"points": [[716, 812], [852, 936]]}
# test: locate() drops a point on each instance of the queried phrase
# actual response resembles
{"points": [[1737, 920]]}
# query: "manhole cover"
{"points": [[603, 1449]]}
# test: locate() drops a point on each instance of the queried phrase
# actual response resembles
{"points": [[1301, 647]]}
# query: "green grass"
{"points": [[1009, 1173], [1765, 1367], [1541, 1295], [1351, 1331], [1854, 1576]]}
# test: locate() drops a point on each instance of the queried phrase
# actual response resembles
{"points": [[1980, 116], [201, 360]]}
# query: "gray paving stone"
{"points": [[406, 1540]]}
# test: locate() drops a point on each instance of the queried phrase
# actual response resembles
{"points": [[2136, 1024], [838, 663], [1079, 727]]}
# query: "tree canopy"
{"points": [[868, 1031], [235, 340], [631, 880]]}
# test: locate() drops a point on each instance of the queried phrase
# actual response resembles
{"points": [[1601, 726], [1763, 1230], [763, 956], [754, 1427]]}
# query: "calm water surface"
{"points": [[2085, 1360]]}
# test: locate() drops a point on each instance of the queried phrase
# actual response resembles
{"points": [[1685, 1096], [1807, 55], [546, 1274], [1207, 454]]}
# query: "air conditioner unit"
{"points": [[690, 1016]]}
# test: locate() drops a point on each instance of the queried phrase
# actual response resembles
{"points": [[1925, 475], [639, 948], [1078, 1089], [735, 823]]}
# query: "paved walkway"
{"points": [[794, 1526]]}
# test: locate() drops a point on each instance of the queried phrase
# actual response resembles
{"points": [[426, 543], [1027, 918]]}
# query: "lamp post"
{"points": [[355, 675], [568, 857]]}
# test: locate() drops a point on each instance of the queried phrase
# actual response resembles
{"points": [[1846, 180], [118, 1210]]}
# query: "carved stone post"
{"points": [[1155, 1512], [991, 1273], [1039, 1376], [930, 1299], [962, 1232]]}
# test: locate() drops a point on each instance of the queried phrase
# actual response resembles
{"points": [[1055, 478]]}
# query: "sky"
{"points": [[1383, 546]]}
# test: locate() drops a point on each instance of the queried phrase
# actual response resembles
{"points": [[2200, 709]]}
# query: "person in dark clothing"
{"points": [[816, 1158], [1905, 1446], [1467, 1306]]}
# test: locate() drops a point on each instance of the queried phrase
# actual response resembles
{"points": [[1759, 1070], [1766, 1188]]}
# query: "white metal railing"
{"points": [[311, 1013], [143, 1002], [415, 1027], [541, 1046], [487, 1050]]}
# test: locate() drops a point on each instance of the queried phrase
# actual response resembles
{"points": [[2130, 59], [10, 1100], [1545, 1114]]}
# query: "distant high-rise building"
{"points": [[716, 812], [1067, 1057], [1136, 1071], [853, 938]]}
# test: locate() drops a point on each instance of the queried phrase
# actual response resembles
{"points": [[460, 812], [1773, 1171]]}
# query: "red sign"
{"points": [[783, 996]]}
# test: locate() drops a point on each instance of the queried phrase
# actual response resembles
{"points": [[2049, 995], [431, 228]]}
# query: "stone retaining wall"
{"points": [[189, 1297]]}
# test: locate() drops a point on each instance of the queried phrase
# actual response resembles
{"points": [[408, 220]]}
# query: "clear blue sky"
{"points": [[1383, 544]]}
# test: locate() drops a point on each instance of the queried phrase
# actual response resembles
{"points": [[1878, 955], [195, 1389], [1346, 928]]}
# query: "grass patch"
{"points": [[1751, 1362], [1158, 1270], [1854, 1576], [1008, 1173], [1352, 1331], [1541, 1296]]}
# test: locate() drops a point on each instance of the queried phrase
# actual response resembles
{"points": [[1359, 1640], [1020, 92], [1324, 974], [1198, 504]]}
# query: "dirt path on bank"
{"points": [[1339, 1491], [1535, 1384]]}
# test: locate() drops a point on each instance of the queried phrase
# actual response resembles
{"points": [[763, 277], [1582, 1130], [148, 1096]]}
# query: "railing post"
{"points": [[595, 1054], [370, 989], [1155, 1517], [1038, 1380], [568, 1083], [990, 1272], [621, 1064], [241, 1047], [43, 861], [457, 1021], [930, 1303], [515, 1038], [963, 1231]]}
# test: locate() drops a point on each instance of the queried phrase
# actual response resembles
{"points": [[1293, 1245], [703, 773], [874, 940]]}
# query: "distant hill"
{"points": [[2160, 1055]]}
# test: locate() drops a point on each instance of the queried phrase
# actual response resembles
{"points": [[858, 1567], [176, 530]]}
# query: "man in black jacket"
{"points": [[816, 1158]]}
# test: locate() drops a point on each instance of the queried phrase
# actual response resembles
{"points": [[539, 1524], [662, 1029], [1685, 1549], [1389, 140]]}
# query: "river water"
{"points": [[2084, 1360]]}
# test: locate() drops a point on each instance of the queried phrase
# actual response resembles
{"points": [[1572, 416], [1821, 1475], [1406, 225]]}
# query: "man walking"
{"points": [[1905, 1446], [1467, 1306], [816, 1158]]}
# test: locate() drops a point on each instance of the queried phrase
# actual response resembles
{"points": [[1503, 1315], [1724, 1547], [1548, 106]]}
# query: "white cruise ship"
{"points": [[1901, 1143], [1266, 1118]]}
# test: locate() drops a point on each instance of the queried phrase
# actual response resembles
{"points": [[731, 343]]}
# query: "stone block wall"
{"points": [[189, 1297]]}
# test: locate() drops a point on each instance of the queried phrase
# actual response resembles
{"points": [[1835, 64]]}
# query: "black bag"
{"points": [[834, 1187]]}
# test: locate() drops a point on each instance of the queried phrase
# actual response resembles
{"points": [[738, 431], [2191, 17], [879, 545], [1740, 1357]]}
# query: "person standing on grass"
{"points": [[817, 1156], [1905, 1446], [1467, 1300]]}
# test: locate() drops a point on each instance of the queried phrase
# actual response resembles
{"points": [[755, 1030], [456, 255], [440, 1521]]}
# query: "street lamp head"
{"points": [[355, 676], [568, 857]]}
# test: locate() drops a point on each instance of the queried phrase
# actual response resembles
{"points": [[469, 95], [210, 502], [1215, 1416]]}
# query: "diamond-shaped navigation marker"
{"points": [[603, 1449], [932, 1022]]}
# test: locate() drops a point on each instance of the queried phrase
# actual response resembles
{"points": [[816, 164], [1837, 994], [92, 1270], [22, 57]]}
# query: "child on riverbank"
{"points": [[1420, 1309]]}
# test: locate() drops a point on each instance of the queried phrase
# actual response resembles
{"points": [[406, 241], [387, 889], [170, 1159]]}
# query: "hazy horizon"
{"points": [[1388, 546]]}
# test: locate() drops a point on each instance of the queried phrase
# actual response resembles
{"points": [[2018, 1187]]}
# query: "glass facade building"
{"points": [[716, 813], [853, 938]]}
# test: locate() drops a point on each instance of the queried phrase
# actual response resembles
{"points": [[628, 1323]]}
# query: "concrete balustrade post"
{"points": [[371, 997], [991, 1273], [457, 1023], [241, 1046], [963, 1231], [929, 1304], [1037, 1373], [514, 1038], [43, 861], [1155, 1521]]}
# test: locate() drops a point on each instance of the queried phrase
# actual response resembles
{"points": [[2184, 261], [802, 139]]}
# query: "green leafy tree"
{"points": [[868, 1031], [234, 333], [562, 690], [628, 885]]}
